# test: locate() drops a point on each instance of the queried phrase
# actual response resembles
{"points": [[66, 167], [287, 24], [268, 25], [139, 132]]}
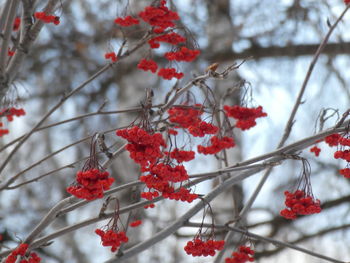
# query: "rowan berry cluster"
{"points": [[343, 152], [21, 250], [111, 238], [9, 113], [171, 38], [10, 53], [144, 147], [185, 117], [184, 54], [217, 144], [316, 150], [90, 184], [161, 18], [47, 19], [333, 139], [150, 65], [169, 73], [135, 223], [300, 203], [183, 194], [16, 23], [126, 21], [182, 156], [243, 255], [246, 117], [112, 56], [198, 247]]}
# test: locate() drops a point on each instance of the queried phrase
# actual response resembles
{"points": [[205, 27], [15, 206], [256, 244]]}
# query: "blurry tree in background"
{"points": [[76, 73]]}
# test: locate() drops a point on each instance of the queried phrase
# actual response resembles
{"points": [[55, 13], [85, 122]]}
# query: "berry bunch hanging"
{"points": [[9, 113], [246, 117], [92, 180], [301, 201], [243, 255], [20, 253]]}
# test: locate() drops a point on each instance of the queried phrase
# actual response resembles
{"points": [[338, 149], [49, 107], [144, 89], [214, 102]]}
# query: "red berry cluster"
{"points": [[333, 139], [159, 17], [345, 155], [135, 223], [347, 1], [198, 248], [185, 117], [217, 144], [144, 148], [149, 195], [10, 53], [183, 194], [16, 23], [184, 54], [343, 152], [171, 38], [9, 113], [112, 239], [47, 18], [245, 116], [182, 156], [299, 203], [90, 184], [316, 150], [126, 21], [112, 56], [169, 73], [202, 128], [189, 118], [243, 255], [150, 65], [21, 251]]}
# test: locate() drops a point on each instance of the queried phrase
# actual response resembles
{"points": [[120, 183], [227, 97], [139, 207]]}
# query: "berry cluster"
{"points": [[10, 53], [217, 145], [184, 54], [343, 152], [245, 116], [185, 117], [333, 139], [47, 18], [243, 255], [300, 203], [126, 21], [316, 150], [183, 194], [150, 65], [169, 73], [21, 251], [16, 23], [112, 239], [198, 248], [90, 184], [144, 148], [149, 195], [135, 223], [189, 118], [9, 113], [182, 156], [112, 56], [171, 38], [159, 17]]}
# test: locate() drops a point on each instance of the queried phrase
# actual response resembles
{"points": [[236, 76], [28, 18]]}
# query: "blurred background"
{"points": [[277, 38]]}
